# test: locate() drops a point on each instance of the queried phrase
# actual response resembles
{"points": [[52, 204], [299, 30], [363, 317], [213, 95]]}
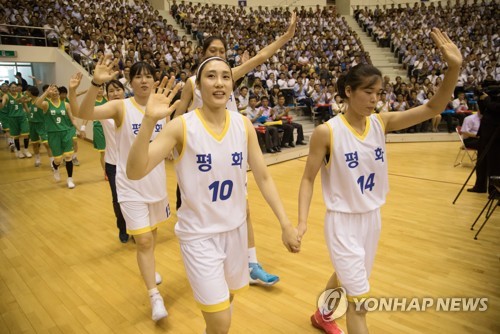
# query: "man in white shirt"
{"points": [[469, 130], [243, 99]]}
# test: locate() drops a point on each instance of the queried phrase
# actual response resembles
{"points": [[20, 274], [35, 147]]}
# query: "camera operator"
{"points": [[488, 163]]}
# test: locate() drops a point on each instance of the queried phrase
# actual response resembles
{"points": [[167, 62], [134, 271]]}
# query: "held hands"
{"points": [[449, 50], [103, 71], [75, 80], [290, 238], [158, 106]]}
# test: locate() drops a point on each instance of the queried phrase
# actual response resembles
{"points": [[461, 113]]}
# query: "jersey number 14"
{"points": [[368, 185]]}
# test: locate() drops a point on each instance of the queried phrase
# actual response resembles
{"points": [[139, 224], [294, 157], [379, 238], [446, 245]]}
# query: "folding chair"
{"points": [[464, 151], [491, 205]]}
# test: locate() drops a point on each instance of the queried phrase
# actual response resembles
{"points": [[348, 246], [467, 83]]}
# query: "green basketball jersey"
{"points": [[103, 100], [15, 109], [35, 114], [56, 117]]}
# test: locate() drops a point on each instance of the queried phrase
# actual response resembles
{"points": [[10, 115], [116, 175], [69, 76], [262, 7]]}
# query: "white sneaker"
{"points": [[71, 185], [20, 155], [75, 161], [12, 147], [57, 176], [158, 278], [27, 154], [158, 307], [37, 162]]}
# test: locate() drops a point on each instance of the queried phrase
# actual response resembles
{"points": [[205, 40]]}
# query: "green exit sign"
{"points": [[6, 53]]}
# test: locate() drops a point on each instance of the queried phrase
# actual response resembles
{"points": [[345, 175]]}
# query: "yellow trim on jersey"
{"points": [[245, 126], [193, 86], [58, 105], [354, 132], [215, 308], [69, 152], [102, 98], [233, 292], [220, 136], [184, 135], [99, 150], [329, 162], [137, 105], [357, 299], [381, 122]]}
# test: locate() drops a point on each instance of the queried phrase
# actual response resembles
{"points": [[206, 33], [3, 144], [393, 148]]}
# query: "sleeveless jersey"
{"points": [[151, 188], [35, 114], [97, 124], [211, 172], [56, 118], [197, 102], [108, 126], [15, 109], [67, 120], [355, 177]]}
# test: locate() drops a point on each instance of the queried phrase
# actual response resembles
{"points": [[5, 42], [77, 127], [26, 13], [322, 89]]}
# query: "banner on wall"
{"points": [[242, 3]]}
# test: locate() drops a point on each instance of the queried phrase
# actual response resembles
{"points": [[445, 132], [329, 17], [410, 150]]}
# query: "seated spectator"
{"points": [[271, 138], [242, 100], [280, 111], [338, 105], [382, 104], [322, 103], [469, 130]]}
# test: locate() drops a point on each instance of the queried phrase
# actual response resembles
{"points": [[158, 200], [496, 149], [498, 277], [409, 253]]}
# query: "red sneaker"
{"points": [[329, 327]]}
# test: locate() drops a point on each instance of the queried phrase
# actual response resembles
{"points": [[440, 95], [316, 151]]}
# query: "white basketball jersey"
{"points": [[110, 155], [152, 187], [355, 177], [197, 102], [211, 171]]}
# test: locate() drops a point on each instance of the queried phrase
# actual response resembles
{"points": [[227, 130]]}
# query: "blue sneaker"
{"points": [[260, 276]]}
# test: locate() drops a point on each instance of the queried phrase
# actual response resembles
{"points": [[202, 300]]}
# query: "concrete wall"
{"points": [[51, 66]]}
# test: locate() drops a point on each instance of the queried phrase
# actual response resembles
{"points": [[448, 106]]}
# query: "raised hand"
{"points": [[158, 106], [75, 80], [245, 57], [293, 24], [449, 50], [103, 71]]}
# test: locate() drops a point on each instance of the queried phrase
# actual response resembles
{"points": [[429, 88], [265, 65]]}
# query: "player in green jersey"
{"points": [[57, 119], [18, 123], [38, 132]]}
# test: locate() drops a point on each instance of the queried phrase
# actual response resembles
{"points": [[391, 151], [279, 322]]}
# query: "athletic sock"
{"points": [[153, 292], [69, 168], [252, 255], [26, 143], [17, 144], [54, 165]]}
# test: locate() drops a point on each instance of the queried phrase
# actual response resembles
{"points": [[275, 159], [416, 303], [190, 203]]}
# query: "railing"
{"points": [[30, 39], [12, 39]]}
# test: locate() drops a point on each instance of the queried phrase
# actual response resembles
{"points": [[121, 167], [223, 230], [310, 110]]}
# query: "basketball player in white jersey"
{"points": [[350, 151], [143, 204], [213, 146], [191, 99]]}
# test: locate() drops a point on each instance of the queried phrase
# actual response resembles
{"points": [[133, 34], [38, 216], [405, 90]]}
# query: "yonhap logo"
{"points": [[333, 304]]}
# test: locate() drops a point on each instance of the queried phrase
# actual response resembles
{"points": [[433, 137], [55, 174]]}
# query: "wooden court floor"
{"points": [[63, 270]]}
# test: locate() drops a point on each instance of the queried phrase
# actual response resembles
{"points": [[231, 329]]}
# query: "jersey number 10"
{"points": [[221, 190]]}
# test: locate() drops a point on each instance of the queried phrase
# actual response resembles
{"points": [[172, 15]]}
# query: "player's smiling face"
{"points": [[216, 83]]}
